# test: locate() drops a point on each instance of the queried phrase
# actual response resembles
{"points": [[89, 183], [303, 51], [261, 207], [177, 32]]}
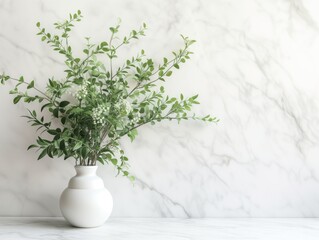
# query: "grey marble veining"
{"points": [[162, 229], [255, 67]]}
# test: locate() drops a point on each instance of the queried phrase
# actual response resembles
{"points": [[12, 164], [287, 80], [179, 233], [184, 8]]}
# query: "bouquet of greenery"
{"points": [[96, 105]]}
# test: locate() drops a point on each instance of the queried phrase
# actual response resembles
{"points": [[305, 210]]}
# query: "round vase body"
{"points": [[86, 202]]}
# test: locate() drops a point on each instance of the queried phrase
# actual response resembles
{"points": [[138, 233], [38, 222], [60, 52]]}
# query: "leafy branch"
{"points": [[95, 105]]}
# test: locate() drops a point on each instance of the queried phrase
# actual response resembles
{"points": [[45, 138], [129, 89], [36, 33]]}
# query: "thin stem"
{"points": [[136, 87], [174, 60], [110, 44], [35, 88]]}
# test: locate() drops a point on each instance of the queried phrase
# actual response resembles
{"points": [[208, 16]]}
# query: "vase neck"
{"points": [[86, 178], [85, 170]]}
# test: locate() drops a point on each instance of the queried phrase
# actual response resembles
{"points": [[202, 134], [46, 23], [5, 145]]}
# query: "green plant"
{"points": [[95, 105]]}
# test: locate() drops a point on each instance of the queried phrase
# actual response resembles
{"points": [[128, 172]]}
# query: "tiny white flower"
{"points": [[127, 106], [82, 91], [98, 114], [136, 117]]}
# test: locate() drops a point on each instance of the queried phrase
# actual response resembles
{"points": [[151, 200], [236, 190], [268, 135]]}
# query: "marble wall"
{"points": [[256, 67]]}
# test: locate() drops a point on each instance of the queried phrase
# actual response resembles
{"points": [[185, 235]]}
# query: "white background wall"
{"points": [[256, 67]]}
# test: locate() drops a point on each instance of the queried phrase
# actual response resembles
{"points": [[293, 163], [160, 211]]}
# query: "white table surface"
{"points": [[163, 228]]}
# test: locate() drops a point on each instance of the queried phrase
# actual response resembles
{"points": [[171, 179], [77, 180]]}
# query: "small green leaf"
{"points": [[63, 120], [103, 44], [52, 131], [38, 24], [77, 146], [194, 97], [32, 146], [132, 178], [17, 99], [171, 100], [64, 104], [114, 161], [169, 73], [42, 154], [191, 42], [31, 84], [84, 152], [62, 145], [132, 134], [46, 105], [56, 112]]}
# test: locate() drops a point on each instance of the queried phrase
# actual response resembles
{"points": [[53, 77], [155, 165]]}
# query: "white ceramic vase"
{"points": [[86, 202]]}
